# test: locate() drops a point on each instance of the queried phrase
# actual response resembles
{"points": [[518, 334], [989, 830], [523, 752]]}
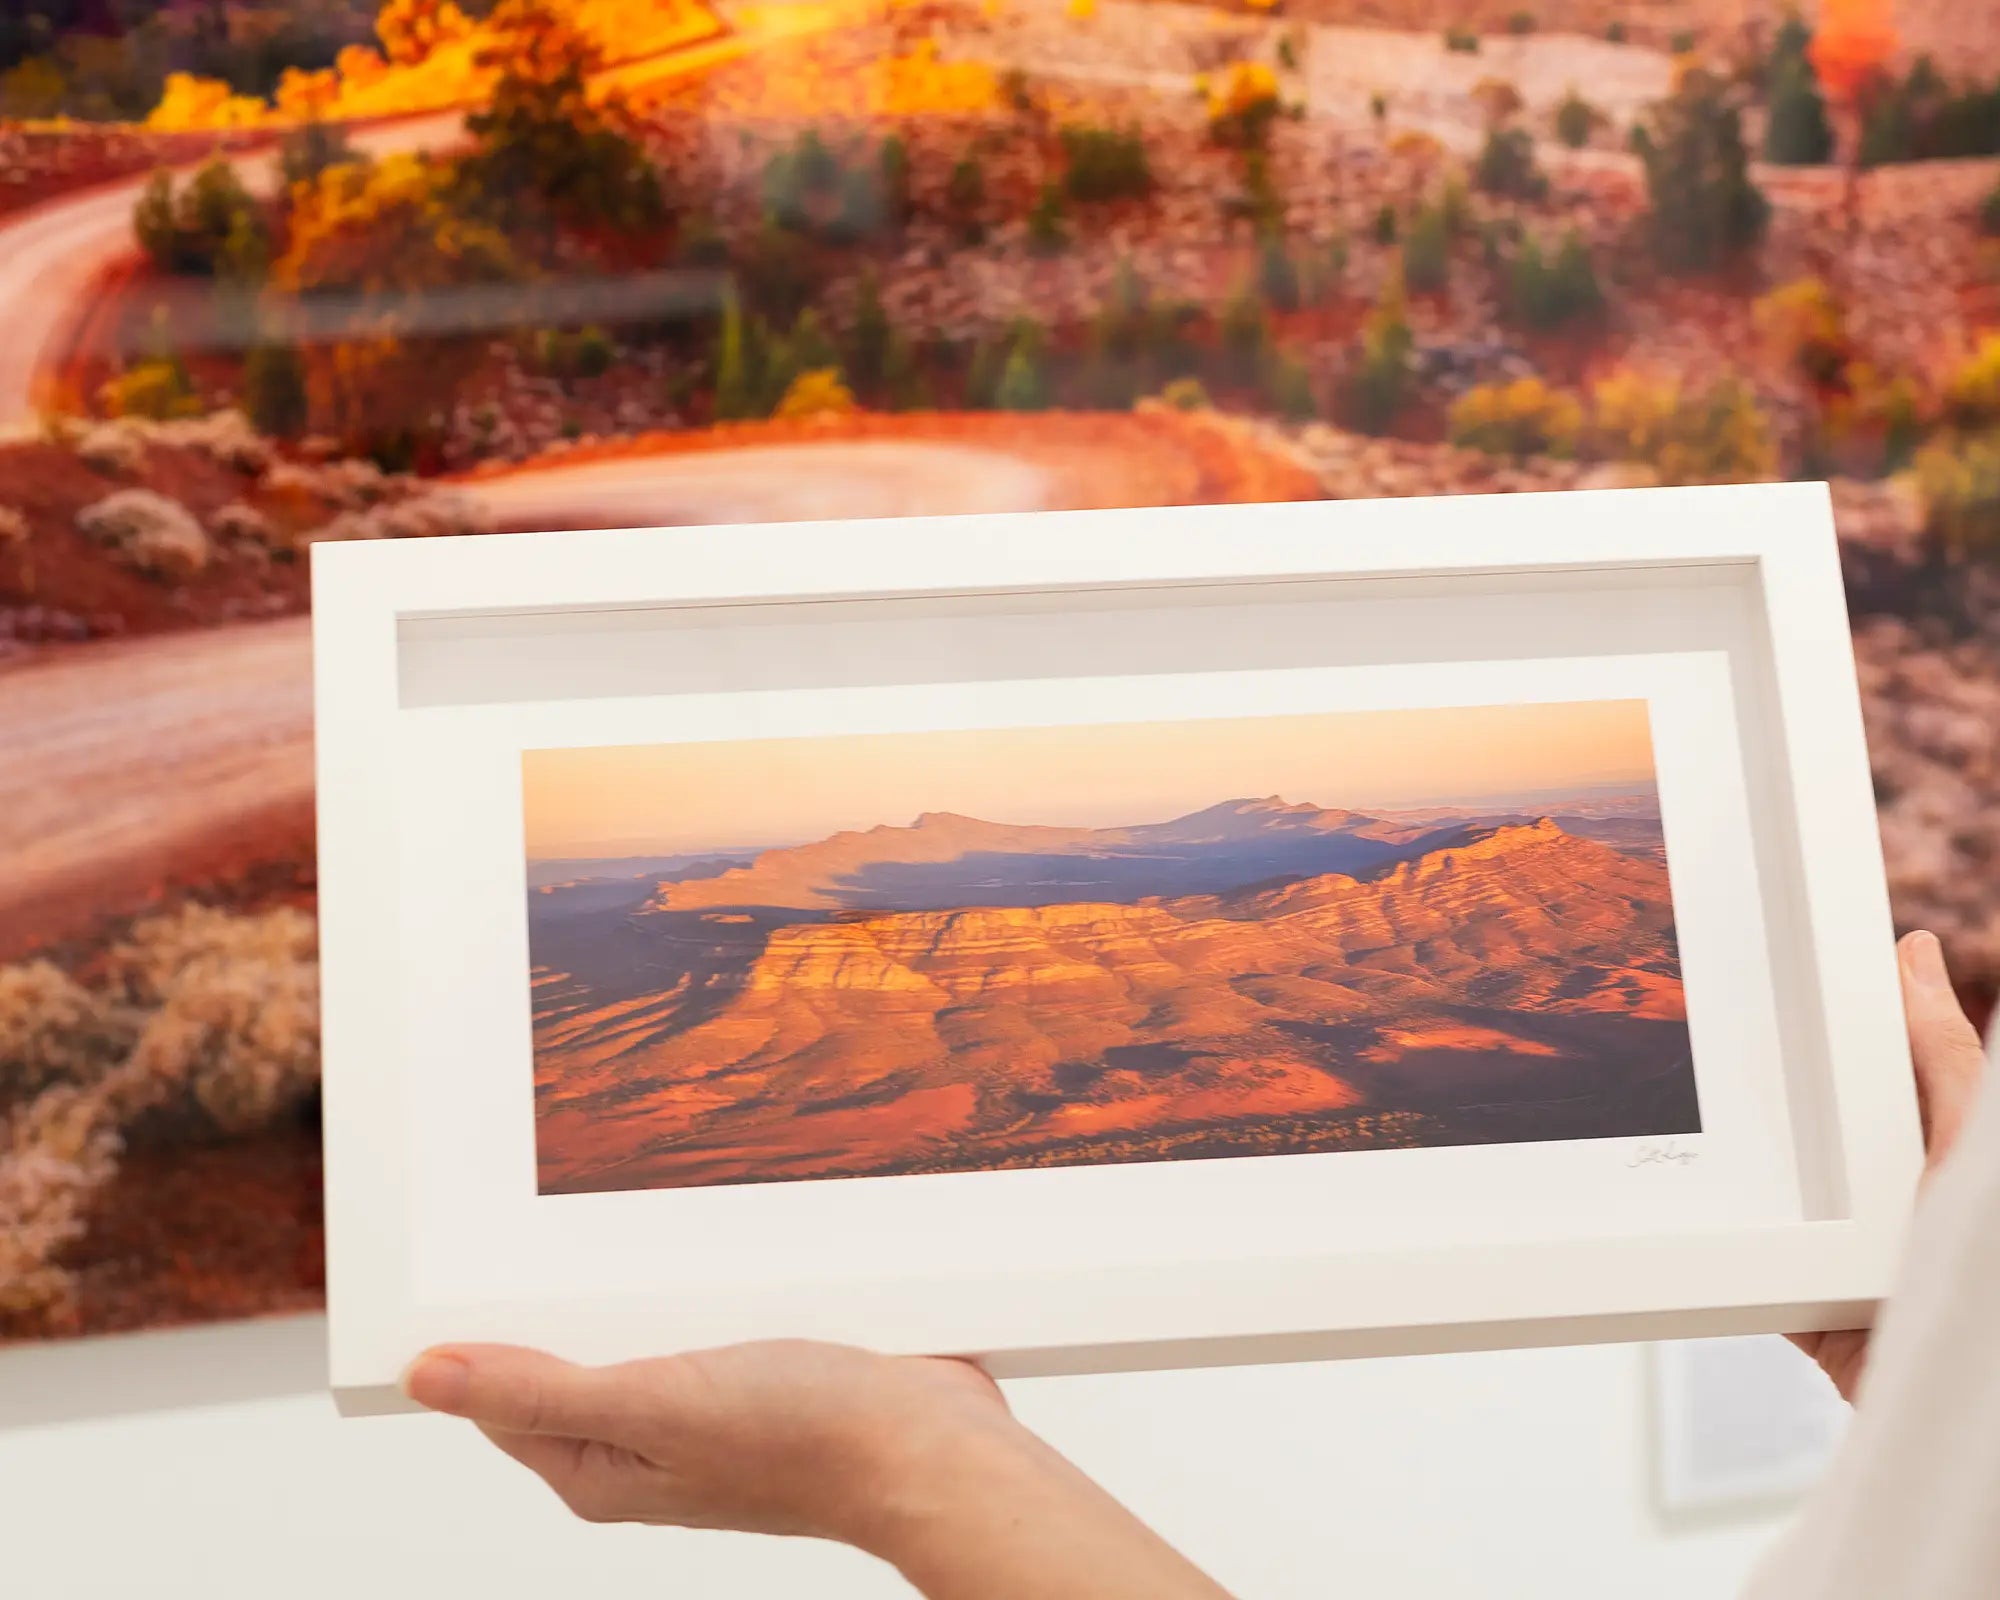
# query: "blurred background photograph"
{"points": [[274, 272]]}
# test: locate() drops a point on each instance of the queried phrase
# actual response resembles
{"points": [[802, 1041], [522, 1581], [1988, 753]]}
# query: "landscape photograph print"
{"points": [[988, 949], [275, 272]]}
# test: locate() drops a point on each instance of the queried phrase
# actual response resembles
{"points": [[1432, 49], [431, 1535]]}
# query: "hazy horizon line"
{"points": [[622, 849]]}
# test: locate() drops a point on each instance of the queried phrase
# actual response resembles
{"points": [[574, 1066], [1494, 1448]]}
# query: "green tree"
{"points": [[1705, 209], [1427, 251], [1546, 291], [274, 388], [892, 162], [1576, 120], [872, 338], [1798, 134], [1278, 274], [1378, 385], [546, 156], [1507, 165], [1022, 384], [735, 377], [1046, 233]]}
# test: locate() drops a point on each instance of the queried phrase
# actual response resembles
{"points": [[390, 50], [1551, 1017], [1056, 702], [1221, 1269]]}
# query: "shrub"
{"points": [[816, 393], [892, 166], [1545, 291], [159, 389], [112, 449], [965, 190], [1427, 251], [1681, 42], [274, 389], [575, 352], [1385, 223], [53, 1030], [1958, 486], [1046, 233], [1497, 100], [1705, 209], [1461, 41], [1716, 435], [312, 149], [1507, 165], [1379, 382], [1021, 386], [1521, 22], [1185, 394], [1278, 274], [1972, 392], [1243, 105], [1576, 120], [1245, 331], [1105, 164], [1989, 213], [1806, 326], [1523, 418], [1614, 31], [1798, 133], [148, 531], [1288, 387]]}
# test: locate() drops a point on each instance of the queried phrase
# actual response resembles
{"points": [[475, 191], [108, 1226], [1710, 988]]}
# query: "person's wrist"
{"points": [[919, 1484]]}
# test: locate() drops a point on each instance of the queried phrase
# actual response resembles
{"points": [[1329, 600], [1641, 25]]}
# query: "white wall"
{"points": [[1517, 1476]]}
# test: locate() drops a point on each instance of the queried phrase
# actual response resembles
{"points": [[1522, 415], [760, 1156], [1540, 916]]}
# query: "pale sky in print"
{"points": [[661, 799]]}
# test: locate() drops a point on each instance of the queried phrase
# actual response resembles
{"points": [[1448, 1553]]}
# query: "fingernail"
{"points": [[1924, 957], [438, 1381]]}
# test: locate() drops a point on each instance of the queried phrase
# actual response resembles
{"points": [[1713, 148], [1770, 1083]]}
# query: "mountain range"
{"points": [[1255, 977]]}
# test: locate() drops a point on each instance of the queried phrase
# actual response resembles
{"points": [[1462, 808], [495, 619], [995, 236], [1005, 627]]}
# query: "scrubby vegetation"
{"points": [[205, 1022], [1705, 208]]}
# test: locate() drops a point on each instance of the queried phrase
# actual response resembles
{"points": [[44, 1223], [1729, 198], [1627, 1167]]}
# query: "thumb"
{"points": [[514, 1391], [1943, 1044]]}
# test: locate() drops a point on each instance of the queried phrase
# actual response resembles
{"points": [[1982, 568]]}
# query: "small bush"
{"points": [[1989, 213], [1378, 385], [1521, 22], [1716, 435], [1507, 165], [965, 189], [1385, 223], [1576, 120], [158, 389], [1972, 392], [1958, 485], [1288, 388], [1278, 275], [1243, 105], [1681, 42], [1185, 394], [148, 531], [1021, 386], [1105, 164], [1545, 291], [1427, 251], [1046, 233], [1461, 41], [817, 393], [1614, 31], [1806, 327], [1523, 418], [274, 389]]}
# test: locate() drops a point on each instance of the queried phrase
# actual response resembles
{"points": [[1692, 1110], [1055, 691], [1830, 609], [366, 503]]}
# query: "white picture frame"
{"points": [[437, 661]]}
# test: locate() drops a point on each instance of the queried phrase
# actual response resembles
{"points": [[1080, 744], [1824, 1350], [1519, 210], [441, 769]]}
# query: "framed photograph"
{"points": [[1094, 940]]}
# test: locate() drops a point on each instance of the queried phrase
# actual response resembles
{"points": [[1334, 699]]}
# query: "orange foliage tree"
{"points": [[1850, 54], [389, 276]]}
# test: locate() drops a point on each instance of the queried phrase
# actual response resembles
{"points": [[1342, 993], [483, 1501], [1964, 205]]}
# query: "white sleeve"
{"points": [[1911, 1506]]}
